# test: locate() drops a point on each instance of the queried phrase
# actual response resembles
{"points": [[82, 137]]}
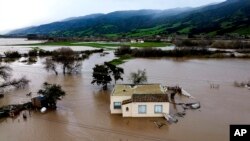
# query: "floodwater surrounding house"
{"points": [[144, 100], [84, 114]]}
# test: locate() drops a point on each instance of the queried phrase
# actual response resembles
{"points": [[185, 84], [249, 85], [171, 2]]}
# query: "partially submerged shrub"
{"points": [[242, 84], [89, 52], [123, 50], [45, 52], [33, 53], [32, 60], [12, 54], [236, 44], [186, 43]]}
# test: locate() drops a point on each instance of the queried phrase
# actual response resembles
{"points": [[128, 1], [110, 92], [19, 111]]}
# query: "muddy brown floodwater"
{"points": [[84, 113]]}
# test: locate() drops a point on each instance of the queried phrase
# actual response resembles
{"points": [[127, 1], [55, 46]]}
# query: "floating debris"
{"points": [[176, 90], [24, 116], [3, 114], [195, 106], [14, 110], [104, 54], [248, 86], [214, 86], [191, 105], [159, 125], [170, 118], [43, 110], [242, 84], [180, 114], [1, 95], [185, 93], [29, 94]]}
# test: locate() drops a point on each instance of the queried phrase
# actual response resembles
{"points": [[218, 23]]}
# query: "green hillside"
{"points": [[232, 16]]}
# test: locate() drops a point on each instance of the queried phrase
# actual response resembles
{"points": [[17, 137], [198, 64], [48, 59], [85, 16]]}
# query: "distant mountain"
{"points": [[92, 16], [231, 16]]}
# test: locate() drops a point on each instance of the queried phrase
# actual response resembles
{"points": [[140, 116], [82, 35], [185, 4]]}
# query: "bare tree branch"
{"points": [[5, 72], [67, 58], [138, 77], [20, 83], [74, 67], [50, 65]]}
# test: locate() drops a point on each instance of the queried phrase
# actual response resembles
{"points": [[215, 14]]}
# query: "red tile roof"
{"points": [[147, 98]]}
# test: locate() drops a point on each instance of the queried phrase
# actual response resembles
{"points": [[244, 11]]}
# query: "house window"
{"points": [[117, 105], [142, 109], [158, 108]]}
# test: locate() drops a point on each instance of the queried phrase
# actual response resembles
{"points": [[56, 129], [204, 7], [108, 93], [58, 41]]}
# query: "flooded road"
{"points": [[84, 113]]}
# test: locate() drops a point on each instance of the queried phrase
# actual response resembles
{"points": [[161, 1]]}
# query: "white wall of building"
{"points": [[150, 112], [127, 110], [117, 99]]}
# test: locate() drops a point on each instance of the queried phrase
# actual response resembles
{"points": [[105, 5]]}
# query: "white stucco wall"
{"points": [[126, 113], [117, 99], [133, 109]]}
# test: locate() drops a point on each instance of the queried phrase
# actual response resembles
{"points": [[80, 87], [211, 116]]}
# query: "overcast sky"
{"points": [[22, 13]]}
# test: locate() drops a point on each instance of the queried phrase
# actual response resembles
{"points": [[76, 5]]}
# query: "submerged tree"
{"points": [[67, 58], [101, 76], [50, 65], [116, 71], [138, 77], [52, 93], [5, 74]]}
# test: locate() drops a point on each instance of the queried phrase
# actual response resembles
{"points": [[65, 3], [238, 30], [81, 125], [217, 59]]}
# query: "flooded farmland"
{"points": [[84, 112]]}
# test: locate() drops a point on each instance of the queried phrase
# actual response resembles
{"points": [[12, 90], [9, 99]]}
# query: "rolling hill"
{"points": [[231, 16]]}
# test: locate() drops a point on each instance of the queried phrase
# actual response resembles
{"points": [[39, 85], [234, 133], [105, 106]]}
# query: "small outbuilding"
{"points": [[39, 102]]}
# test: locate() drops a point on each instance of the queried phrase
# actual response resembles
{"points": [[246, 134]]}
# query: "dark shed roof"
{"points": [[126, 101]]}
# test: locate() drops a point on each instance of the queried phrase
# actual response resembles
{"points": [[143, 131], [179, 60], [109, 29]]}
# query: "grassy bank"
{"points": [[104, 44], [150, 44], [122, 59]]}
